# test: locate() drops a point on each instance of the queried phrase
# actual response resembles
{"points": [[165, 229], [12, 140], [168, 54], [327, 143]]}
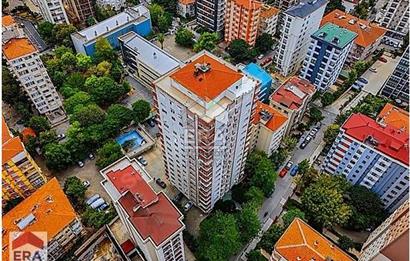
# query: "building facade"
{"points": [[374, 155], [151, 219], [186, 8], [269, 128], [53, 11], [210, 14], [24, 62], [299, 22], [395, 17], [390, 240], [369, 35], [145, 61], [258, 73], [397, 85], [113, 4], [285, 4], [136, 19], [205, 110], [20, 175], [78, 11], [242, 20], [291, 99], [326, 55], [46, 210], [268, 20]]}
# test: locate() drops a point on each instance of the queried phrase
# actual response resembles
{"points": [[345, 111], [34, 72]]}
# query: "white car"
{"points": [[260, 56], [188, 206], [86, 183]]}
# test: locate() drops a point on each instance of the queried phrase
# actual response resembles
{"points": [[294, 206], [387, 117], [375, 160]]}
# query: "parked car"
{"points": [[160, 183], [80, 163], [142, 161], [383, 60], [303, 145], [91, 156], [103, 207], [188, 206], [151, 123], [294, 170], [178, 197], [60, 136], [260, 56], [373, 70], [92, 199], [363, 80], [283, 172], [86, 183], [288, 165], [96, 204]]}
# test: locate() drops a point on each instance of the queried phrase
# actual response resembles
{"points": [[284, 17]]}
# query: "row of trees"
{"points": [[241, 51], [56, 34]]}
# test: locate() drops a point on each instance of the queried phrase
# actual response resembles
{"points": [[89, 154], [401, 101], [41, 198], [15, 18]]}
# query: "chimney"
{"points": [[316, 243]]}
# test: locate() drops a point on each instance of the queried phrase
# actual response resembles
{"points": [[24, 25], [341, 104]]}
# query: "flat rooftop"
{"points": [[305, 8], [335, 35]]}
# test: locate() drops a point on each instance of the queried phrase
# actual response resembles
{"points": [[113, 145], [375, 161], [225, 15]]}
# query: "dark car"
{"points": [[383, 60], [303, 145], [178, 197], [160, 183]]}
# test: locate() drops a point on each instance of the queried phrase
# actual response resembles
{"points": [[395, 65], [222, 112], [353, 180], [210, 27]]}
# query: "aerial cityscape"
{"points": [[209, 130]]}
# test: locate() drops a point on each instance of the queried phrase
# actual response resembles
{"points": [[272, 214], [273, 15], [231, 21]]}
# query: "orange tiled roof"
{"points": [[248, 4], [11, 146], [394, 116], [7, 20], [367, 33], [49, 205], [302, 242], [187, 2], [275, 122], [17, 47], [210, 84], [268, 11]]}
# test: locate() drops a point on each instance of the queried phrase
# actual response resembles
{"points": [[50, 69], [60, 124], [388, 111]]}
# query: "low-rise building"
{"points": [[20, 174], [25, 64], [326, 55], [395, 117], [46, 210], [258, 73], [136, 19], [186, 8], [268, 20], [301, 242], [151, 219], [145, 61], [112, 4], [372, 154], [292, 98], [369, 35], [10, 29], [269, 128], [390, 240], [52, 11]]}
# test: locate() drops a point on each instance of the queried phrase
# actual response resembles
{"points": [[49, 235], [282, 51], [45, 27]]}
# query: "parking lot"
{"points": [[179, 52]]}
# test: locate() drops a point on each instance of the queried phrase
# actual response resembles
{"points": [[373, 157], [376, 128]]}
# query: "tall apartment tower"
{"points": [[210, 14], [242, 20], [328, 50], [395, 17], [390, 240], [299, 23], [397, 85], [20, 174], [285, 4], [53, 11], [24, 62], [78, 11], [205, 109]]}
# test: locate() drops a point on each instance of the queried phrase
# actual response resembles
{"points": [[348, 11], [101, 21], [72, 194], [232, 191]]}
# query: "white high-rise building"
{"points": [[205, 110], [210, 14], [327, 53], [299, 22], [53, 11], [395, 17]]}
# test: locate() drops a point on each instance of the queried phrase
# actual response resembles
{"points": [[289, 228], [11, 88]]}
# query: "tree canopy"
{"points": [[264, 42], [75, 190], [57, 156], [108, 153], [291, 214], [142, 110], [207, 41], [239, 50], [184, 37], [248, 223], [39, 124]]}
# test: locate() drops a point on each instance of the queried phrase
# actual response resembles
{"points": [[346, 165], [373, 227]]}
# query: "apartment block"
{"points": [[285, 4], [291, 99], [268, 20], [153, 222], [10, 29], [390, 240], [258, 73], [24, 62], [210, 14], [369, 35], [397, 85], [326, 55], [20, 174], [205, 110], [299, 23], [78, 11], [113, 4], [136, 19], [52, 11], [395, 17], [186, 8], [145, 61], [372, 154], [47, 210], [269, 128], [242, 20], [302, 242]]}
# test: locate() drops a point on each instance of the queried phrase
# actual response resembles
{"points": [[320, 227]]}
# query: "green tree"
{"points": [[255, 255], [334, 4], [345, 243], [184, 37], [95, 218], [252, 161], [331, 133], [323, 201], [88, 115], [303, 166], [164, 22], [45, 29], [61, 34], [11, 91], [77, 100], [142, 110], [90, 21], [308, 177], [264, 42], [270, 238], [84, 61], [107, 154], [47, 137], [279, 157], [155, 11], [326, 99], [161, 39], [248, 223], [103, 68], [255, 195], [102, 13], [39, 124], [69, 61], [289, 143], [207, 41], [120, 113], [57, 156], [104, 51], [239, 50], [219, 237], [104, 90], [291, 214], [75, 190], [315, 115], [264, 176]]}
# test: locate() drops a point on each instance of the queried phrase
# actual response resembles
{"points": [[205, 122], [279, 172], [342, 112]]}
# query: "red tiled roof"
{"points": [[288, 93], [275, 122], [390, 140], [11, 146], [394, 116], [17, 47], [186, 2], [302, 242], [269, 11], [210, 84], [248, 4], [367, 33], [7, 20], [153, 215]]}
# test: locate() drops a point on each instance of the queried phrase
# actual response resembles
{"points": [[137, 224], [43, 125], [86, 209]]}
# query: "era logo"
{"points": [[28, 246]]}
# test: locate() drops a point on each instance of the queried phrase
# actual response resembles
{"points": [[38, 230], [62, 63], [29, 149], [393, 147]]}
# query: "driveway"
{"points": [[138, 92], [179, 52]]}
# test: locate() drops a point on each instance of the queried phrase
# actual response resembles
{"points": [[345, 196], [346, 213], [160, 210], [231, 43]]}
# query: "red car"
{"points": [[383, 60], [283, 172]]}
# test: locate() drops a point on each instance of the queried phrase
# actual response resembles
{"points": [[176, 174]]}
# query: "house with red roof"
{"points": [[153, 222], [372, 154]]}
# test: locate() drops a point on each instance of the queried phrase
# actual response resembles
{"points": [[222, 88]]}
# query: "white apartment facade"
{"points": [[210, 14], [205, 110], [53, 11], [395, 17], [299, 22], [268, 20]]}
